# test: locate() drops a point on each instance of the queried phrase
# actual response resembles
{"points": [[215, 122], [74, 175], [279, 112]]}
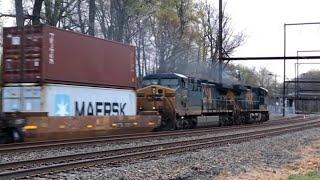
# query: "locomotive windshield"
{"points": [[148, 82], [171, 83]]}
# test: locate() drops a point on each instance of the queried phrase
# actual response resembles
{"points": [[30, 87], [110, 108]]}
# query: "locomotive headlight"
{"points": [[153, 90], [153, 108]]}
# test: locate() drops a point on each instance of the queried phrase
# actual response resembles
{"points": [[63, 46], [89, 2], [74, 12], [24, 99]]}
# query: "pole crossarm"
{"points": [[303, 81], [306, 63], [303, 23], [309, 90], [310, 98], [270, 58]]}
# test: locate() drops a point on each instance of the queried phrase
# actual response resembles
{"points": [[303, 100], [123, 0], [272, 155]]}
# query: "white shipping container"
{"points": [[69, 100]]}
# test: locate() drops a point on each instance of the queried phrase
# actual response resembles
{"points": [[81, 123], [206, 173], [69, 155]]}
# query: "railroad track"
{"points": [[31, 146], [111, 157]]}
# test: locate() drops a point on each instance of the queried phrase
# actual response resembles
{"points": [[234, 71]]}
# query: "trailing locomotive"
{"points": [[184, 102]]}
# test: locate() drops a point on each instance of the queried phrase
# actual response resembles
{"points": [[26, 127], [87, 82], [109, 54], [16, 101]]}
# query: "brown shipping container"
{"points": [[44, 54]]}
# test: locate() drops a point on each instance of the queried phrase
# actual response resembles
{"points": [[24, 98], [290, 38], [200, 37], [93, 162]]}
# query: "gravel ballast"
{"points": [[77, 149], [232, 159]]}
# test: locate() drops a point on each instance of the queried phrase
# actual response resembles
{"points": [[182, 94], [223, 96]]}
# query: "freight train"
{"points": [[181, 102], [51, 92], [184, 102]]}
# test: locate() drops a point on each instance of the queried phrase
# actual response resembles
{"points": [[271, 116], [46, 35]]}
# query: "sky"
{"points": [[6, 7], [262, 21]]}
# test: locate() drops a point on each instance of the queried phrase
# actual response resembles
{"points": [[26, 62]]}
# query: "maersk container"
{"points": [[69, 100], [44, 54]]}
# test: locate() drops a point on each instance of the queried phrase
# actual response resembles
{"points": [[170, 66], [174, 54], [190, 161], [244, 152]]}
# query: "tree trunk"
{"points": [[118, 19], [92, 14], [81, 23], [139, 52], [19, 13], [36, 12], [102, 21], [139, 60], [144, 56]]}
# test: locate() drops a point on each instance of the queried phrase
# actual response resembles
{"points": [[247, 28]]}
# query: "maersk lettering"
{"points": [[115, 108], [90, 110], [107, 108], [81, 112], [99, 108]]}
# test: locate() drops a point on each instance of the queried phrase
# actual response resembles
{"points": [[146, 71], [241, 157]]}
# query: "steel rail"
{"points": [[9, 148], [85, 157], [139, 155]]}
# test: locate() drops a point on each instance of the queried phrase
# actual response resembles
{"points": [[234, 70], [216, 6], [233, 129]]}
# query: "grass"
{"points": [[309, 176]]}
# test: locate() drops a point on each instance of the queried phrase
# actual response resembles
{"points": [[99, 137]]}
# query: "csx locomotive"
{"points": [[184, 102]]}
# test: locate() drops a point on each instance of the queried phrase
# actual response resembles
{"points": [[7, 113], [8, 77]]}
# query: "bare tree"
{"points": [[55, 11], [19, 13], [81, 23], [92, 14], [102, 14], [36, 16]]}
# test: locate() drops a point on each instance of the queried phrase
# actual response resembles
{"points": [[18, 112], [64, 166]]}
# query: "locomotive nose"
{"points": [[152, 98]]}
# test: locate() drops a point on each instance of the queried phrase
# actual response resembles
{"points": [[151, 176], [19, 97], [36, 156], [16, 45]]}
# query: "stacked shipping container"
{"points": [[63, 73]]}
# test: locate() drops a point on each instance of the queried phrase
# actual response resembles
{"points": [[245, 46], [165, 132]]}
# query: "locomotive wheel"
{"points": [[264, 117], [243, 119], [193, 123], [167, 122], [230, 120], [247, 118], [223, 121], [185, 124], [220, 121], [179, 124]]}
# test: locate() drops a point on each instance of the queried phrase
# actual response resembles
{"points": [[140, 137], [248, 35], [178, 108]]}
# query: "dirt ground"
{"points": [[310, 161]]}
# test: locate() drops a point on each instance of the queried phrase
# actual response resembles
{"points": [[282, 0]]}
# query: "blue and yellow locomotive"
{"points": [[184, 102]]}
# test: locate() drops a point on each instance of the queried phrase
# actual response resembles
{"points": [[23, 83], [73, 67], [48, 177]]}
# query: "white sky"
{"points": [[262, 21], [6, 6]]}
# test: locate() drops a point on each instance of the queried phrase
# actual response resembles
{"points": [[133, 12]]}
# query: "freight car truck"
{"points": [[11, 128], [59, 75]]}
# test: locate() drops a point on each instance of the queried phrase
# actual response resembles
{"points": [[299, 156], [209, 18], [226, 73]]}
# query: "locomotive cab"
{"points": [[158, 96]]}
